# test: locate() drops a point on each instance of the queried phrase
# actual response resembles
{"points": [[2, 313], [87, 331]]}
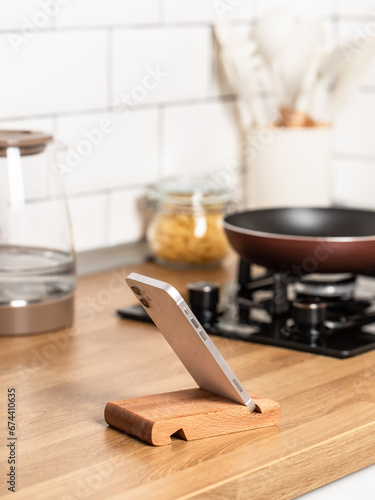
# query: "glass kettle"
{"points": [[37, 260]]}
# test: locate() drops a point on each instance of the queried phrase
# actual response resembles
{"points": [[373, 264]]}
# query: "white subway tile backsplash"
{"points": [[185, 11], [353, 37], [38, 124], [200, 138], [54, 72], [65, 65], [355, 125], [89, 221], [360, 8], [108, 12], [108, 150], [354, 182], [24, 15], [126, 216], [157, 65]]}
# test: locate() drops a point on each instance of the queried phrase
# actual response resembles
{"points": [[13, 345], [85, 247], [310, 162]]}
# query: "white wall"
{"points": [[67, 64]]}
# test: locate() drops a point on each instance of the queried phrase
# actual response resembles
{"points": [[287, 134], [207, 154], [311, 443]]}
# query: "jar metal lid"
{"points": [[191, 191]]}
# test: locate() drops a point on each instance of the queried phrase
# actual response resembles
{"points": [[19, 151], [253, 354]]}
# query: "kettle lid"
{"points": [[29, 142]]}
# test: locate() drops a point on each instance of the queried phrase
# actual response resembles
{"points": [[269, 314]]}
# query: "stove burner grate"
{"points": [[328, 288], [332, 315], [314, 313]]}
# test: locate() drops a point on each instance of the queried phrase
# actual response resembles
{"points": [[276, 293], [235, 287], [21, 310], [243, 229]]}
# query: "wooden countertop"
{"points": [[63, 380]]}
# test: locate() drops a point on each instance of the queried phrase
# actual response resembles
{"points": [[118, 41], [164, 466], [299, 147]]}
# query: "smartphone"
{"points": [[188, 339]]}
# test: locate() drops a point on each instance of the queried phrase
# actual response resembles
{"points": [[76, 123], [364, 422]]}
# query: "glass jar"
{"points": [[186, 230], [37, 260]]}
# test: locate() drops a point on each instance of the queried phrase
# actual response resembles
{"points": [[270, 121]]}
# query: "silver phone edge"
{"points": [[162, 284], [247, 402], [179, 300]]}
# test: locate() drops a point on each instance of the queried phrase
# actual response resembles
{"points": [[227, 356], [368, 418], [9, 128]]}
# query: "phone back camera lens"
{"points": [[144, 302], [135, 289]]}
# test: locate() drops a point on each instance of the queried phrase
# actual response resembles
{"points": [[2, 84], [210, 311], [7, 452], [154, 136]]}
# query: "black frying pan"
{"points": [[305, 240]]}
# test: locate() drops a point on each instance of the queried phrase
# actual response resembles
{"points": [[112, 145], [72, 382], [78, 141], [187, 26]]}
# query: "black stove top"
{"points": [[333, 315]]}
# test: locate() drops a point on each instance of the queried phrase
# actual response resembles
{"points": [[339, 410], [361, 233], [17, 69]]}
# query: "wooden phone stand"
{"points": [[189, 414]]}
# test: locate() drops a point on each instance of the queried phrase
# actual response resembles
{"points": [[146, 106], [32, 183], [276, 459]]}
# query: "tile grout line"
{"points": [[172, 25], [141, 106], [161, 13], [110, 67], [107, 218], [161, 24], [198, 101], [161, 142]]}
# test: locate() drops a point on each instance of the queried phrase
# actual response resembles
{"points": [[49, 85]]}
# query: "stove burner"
{"points": [[308, 317], [322, 314], [327, 286], [203, 300], [333, 315]]}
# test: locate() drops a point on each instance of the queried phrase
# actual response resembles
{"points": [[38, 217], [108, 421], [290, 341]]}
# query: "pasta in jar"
{"points": [[187, 231]]}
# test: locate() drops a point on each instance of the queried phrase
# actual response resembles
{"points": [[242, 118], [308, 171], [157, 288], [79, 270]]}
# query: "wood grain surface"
{"points": [[63, 380], [189, 414]]}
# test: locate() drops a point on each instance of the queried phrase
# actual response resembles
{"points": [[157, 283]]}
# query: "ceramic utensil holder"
{"points": [[288, 166]]}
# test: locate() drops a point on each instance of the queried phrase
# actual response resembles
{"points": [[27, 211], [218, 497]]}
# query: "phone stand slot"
{"points": [[190, 414]]}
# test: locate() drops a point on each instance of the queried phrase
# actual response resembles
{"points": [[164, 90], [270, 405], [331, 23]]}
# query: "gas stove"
{"points": [[328, 314]]}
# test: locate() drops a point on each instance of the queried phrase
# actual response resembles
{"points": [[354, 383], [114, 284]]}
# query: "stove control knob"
{"points": [[203, 300], [309, 314]]}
